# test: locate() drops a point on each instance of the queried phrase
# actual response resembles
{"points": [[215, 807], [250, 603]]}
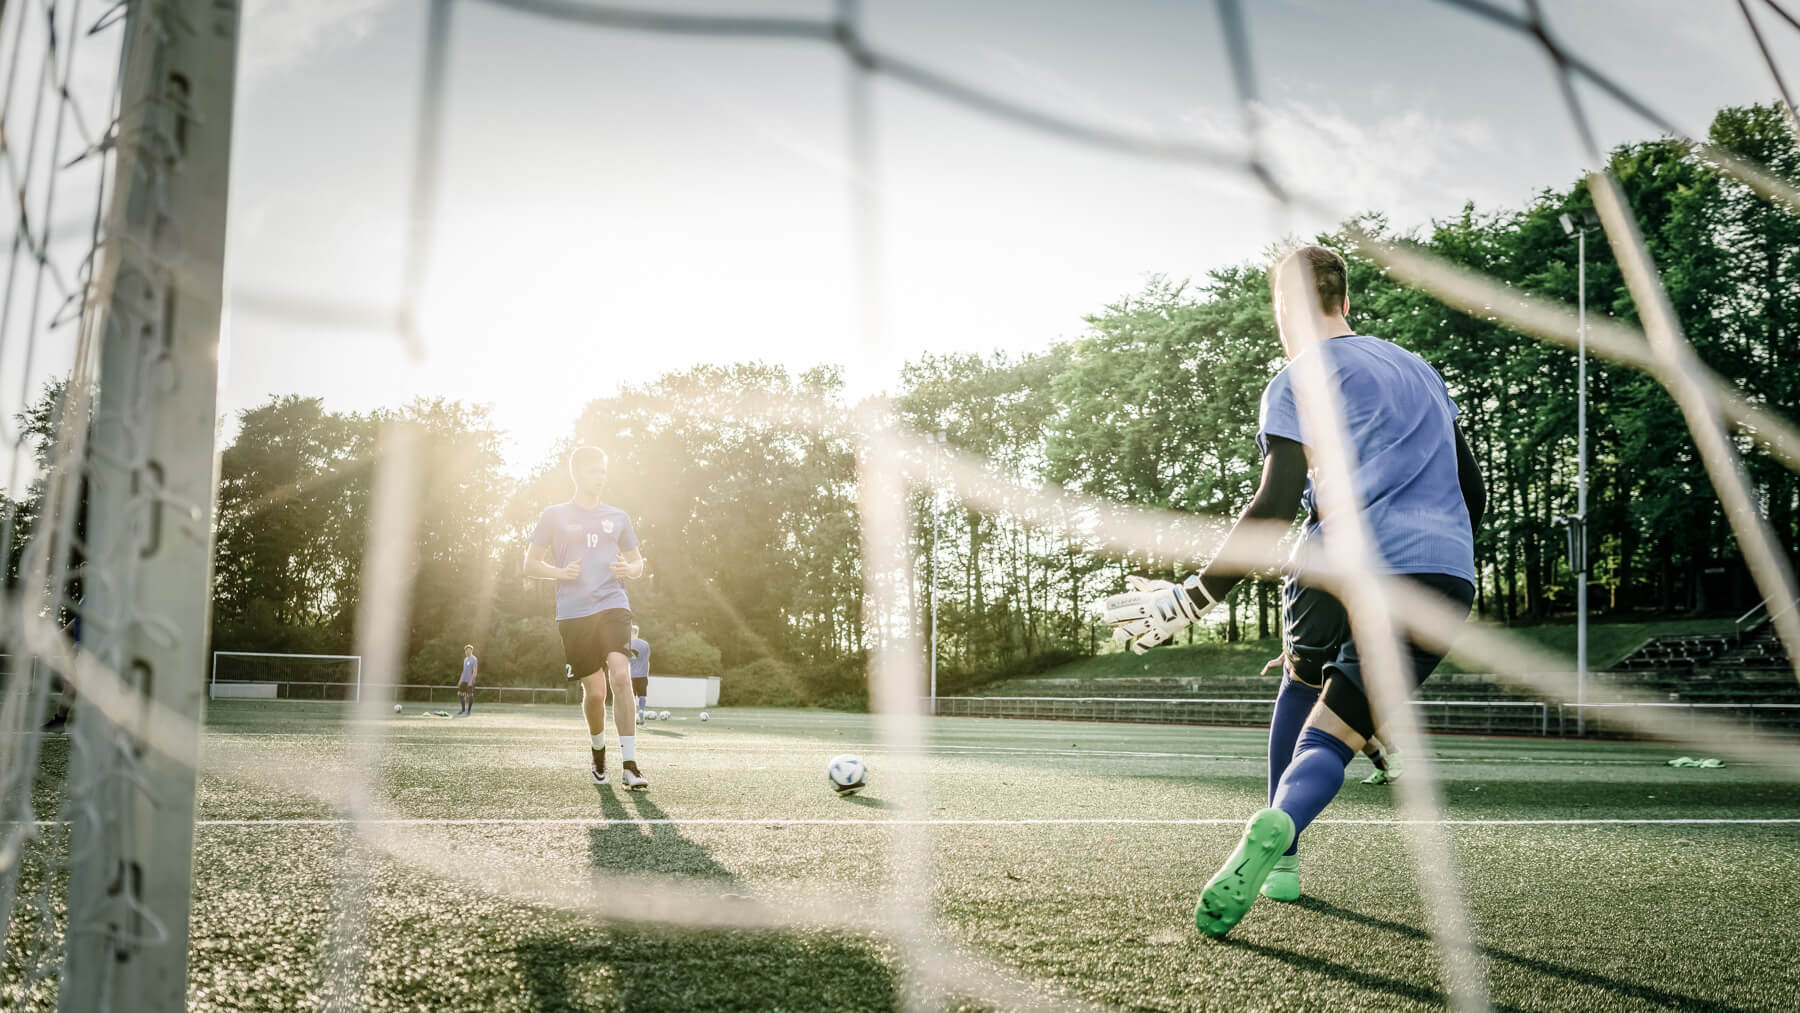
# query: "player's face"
{"points": [[590, 473]]}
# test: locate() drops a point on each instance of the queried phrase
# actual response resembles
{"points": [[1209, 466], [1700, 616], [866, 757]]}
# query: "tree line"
{"points": [[743, 482]]}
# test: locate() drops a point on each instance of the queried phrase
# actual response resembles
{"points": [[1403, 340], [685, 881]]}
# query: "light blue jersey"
{"points": [[640, 658], [596, 538], [1401, 424], [468, 672]]}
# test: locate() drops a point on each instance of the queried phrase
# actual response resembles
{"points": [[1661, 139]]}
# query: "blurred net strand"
{"points": [[1762, 46], [882, 504], [43, 566], [1367, 607], [383, 607], [1352, 547], [427, 154]]}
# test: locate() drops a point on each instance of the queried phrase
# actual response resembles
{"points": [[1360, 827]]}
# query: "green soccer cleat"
{"points": [[1283, 883], [1380, 777], [1231, 891]]}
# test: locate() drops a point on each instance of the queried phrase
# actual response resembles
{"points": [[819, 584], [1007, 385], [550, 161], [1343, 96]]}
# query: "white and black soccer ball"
{"points": [[664, 716], [703, 715], [396, 708], [847, 773]]}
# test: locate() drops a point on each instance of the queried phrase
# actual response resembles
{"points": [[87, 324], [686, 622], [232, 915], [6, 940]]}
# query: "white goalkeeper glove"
{"points": [[1153, 611]]}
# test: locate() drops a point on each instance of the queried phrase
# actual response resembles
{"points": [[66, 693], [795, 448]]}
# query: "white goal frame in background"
{"points": [[213, 681]]}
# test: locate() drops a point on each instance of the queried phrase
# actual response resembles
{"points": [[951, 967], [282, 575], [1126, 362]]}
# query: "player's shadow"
{"points": [[641, 838], [627, 967], [1400, 989], [1575, 975], [649, 970]]}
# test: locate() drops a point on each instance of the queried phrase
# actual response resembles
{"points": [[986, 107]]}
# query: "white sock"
{"points": [[597, 741], [628, 747]]}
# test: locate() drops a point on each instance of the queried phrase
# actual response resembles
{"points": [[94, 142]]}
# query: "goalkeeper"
{"points": [[1422, 497]]}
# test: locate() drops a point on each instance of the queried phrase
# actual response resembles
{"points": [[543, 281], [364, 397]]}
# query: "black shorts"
{"points": [[640, 685], [588, 641], [465, 687], [1316, 641]]}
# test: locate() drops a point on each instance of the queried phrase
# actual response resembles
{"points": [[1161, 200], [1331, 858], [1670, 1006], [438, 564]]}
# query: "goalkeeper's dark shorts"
{"points": [[588, 640], [1319, 650]]}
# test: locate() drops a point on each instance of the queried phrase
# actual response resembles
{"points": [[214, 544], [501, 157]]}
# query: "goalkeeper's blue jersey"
{"points": [[596, 538], [1401, 424]]}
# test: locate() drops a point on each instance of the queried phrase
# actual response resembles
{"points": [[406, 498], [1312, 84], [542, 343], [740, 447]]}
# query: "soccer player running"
{"points": [[465, 686], [640, 671], [588, 547], [1423, 499]]}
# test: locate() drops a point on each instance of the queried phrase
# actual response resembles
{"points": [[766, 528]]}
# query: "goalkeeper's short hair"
{"points": [[1330, 275]]}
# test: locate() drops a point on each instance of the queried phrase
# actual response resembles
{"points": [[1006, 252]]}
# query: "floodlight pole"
{"points": [[1581, 579], [1578, 547], [941, 438]]}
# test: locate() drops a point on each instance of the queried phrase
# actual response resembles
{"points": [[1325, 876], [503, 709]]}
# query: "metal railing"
{"points": [[345, 692], [1508, 717], [1759, 614]]}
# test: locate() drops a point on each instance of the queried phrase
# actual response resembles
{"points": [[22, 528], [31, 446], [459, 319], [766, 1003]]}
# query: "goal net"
{"points": [[108, 593], [114, 134]]}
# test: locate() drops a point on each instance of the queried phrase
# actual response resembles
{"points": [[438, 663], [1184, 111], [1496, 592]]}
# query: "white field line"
{"points": [[955, 822], [877, 750]]}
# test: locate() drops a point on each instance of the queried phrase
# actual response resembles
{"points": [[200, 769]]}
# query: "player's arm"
{"points": [[1153, 610], [629, 565], [1468, 475], [539, 567], [1277, 499]]}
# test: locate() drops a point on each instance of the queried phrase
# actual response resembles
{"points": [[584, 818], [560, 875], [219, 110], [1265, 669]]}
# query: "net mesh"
{"points": [[895, 464]]}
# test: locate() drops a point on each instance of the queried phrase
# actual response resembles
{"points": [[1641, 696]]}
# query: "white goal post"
{"points": [[213, 681]]}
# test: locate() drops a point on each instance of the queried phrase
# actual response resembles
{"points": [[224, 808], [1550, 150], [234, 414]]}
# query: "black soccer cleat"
{"points": [[599, 771]]}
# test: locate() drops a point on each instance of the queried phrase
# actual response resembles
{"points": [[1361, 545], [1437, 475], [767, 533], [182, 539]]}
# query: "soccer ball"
{"points": [[664, 716], [396, 708], [847, 774], [703, 715]]}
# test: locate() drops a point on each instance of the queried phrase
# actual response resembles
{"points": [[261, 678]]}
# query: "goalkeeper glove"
{"points": [[1153, 611]]}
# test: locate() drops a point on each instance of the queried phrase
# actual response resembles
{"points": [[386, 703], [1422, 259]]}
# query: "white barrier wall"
{"points": [[694, 692], [247, 690]]}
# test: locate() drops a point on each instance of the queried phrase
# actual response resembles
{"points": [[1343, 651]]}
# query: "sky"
{"points": [[614, 206]]}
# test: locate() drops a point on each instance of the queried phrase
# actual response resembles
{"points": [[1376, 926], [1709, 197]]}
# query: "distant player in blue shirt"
{"points": [[640, 671], [465, 686], [1422, 497], [589, 548]]}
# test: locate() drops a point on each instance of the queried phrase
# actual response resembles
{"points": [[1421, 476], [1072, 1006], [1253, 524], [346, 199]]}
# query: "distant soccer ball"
{"points": [[847, 774], [396, 708], [703, 715], [664, 716]]}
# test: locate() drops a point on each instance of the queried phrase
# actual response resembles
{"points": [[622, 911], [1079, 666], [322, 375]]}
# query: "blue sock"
{"points": [[1292, 704], [1313, 778]]}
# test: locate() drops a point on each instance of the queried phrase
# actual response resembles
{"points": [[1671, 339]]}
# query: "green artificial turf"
{"points": [[544, 911]]}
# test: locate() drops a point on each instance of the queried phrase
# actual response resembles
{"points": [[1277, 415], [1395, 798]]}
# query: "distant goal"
{"points": [[274, 675]]}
